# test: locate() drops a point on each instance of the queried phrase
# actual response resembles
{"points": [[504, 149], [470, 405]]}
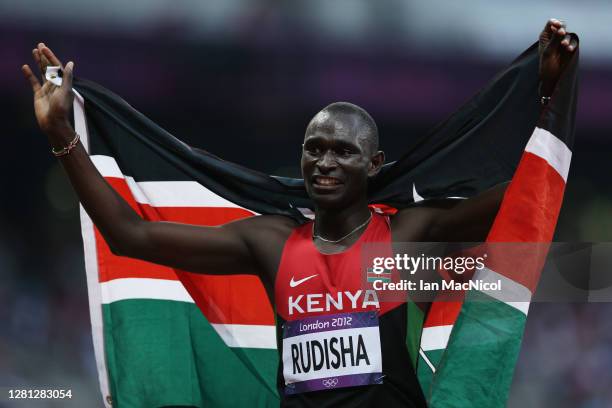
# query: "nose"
{"points": [[327, 162]]}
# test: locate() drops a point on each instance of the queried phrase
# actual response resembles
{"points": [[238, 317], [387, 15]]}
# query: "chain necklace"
{"points": [[335, 241]]}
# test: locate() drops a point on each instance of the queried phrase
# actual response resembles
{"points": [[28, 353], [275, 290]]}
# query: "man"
{"points": [[309, 270]]}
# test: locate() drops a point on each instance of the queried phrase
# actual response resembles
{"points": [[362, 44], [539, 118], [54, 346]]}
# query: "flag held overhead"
{"points": [[168, 337]]}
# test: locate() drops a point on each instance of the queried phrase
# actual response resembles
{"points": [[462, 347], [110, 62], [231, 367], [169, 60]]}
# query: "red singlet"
{"points": [[340, 346]]}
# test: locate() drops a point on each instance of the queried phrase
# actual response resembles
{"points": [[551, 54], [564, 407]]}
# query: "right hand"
{"points": [[556, 48], [52, 104]]}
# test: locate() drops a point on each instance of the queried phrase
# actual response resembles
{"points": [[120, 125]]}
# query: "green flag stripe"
{"points": [[163, 352], [424, 372], [415, 317], [482, 351], [511, 292], [234, 335]]}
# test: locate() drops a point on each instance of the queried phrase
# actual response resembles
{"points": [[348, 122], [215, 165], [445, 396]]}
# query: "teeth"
{"points": [[326, 181]]}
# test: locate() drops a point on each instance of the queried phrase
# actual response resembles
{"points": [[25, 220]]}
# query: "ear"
{"points": [[376, 162]]}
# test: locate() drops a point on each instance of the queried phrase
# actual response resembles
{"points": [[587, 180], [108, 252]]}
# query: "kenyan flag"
{"points": [[166, 337], [468, 349], [384, 276], [154, 346]]}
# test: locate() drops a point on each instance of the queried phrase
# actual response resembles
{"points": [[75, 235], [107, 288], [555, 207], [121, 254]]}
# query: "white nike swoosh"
{"points": [[293, 283]]}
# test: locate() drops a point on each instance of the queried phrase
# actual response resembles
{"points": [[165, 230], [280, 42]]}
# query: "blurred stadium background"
{"points": [[255, 72]]}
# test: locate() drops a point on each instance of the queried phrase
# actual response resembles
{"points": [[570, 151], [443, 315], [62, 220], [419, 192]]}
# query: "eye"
{"points": [[312, 150], [344, 152]]}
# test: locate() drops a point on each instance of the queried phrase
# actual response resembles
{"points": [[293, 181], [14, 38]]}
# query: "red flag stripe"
{"points": [[531, 204], [115, 267], [443, 312], [528, 214], [241, 305]]}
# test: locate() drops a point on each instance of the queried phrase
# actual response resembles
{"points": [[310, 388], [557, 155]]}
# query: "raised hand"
{"points": [[52, 104], [556, 48]]}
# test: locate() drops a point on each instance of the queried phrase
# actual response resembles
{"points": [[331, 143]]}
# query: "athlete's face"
{"points": [[337, 160]]}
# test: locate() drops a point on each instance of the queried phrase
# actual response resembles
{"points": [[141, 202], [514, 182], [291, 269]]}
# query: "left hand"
{"points": [[52, 104], [556, 48]]}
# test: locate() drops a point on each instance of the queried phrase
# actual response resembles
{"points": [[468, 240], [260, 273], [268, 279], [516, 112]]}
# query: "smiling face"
{"points": [[339, 155]]}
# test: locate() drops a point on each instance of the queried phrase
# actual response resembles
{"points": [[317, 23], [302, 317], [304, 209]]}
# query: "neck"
{"points": [[334, 223]]}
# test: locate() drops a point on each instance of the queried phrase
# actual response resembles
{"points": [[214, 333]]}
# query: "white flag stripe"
{"points": [[247, 335], [427, 361], [416, 196], [520, 306], [106, 165], [234, 335], [547, 146], [520, 295], [435, 337], [144, 288], [163, 193], [181, 194]]}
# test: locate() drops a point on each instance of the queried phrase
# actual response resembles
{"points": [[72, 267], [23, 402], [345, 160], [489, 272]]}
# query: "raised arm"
{"points": [[223, 249], [466, 220], [469, 220]]}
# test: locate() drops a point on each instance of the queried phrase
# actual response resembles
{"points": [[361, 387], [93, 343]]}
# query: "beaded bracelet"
{"points": [[66, 150]]}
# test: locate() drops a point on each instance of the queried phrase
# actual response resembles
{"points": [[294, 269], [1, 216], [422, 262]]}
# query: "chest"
{"points": [[309, 283], [308, 286]]}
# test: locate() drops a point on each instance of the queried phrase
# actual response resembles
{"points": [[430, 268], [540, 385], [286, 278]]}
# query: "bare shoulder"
{"points": [[267, 228], [265, 236], [269, 222]]}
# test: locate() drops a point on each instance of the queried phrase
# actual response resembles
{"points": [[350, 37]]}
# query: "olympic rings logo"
{"points": [[330, 382]]}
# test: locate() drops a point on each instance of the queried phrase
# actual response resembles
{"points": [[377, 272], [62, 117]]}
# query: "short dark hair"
{"points": [[366, 125]]}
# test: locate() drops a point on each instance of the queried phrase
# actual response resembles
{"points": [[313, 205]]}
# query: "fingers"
{"points": [[566, 42], [44, 57], [561, 39], [569, 42], [573, 41], [558, 28], [37, 60], [67, 78], [568, 49], [552, 28], [27, 72], [43, 60], [553, 25], [556, 38], [50, 56]]}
